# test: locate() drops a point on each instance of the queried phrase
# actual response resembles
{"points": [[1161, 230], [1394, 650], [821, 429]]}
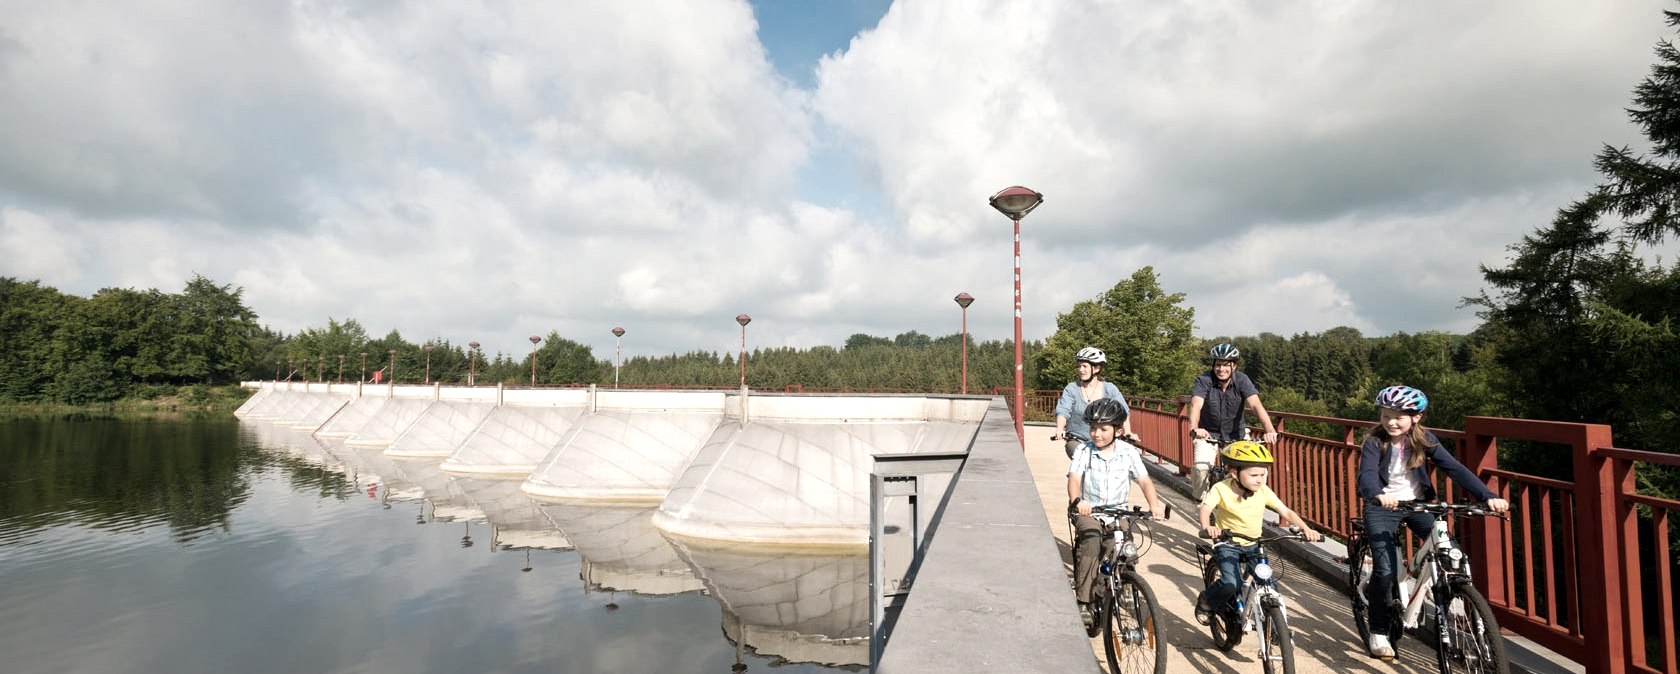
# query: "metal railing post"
{"points": [[1604, 599]]}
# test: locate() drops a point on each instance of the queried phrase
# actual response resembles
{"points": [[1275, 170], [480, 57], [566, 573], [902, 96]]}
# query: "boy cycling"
{"points": [[1238, 504], [1101, 474]]}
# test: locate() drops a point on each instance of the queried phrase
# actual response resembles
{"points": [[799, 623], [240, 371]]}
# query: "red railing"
{"points": [[1585, 567]]}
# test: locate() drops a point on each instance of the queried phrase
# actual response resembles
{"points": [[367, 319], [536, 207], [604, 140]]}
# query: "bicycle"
{"points": [[1258, 605], [1125, 606], [1438, 575]]}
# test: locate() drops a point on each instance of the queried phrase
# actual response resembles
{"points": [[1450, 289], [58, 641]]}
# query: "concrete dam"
{"points": [[725, 466]]}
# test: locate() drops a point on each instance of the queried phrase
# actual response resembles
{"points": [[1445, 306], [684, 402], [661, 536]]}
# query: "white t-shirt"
{"points": [[1401, 483]]}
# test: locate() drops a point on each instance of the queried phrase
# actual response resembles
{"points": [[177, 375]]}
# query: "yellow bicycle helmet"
{"points": [[1246, 453]]}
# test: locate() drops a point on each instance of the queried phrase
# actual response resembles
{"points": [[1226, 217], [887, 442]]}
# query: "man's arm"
{"points": [[1196, 417], [1265, 419]]}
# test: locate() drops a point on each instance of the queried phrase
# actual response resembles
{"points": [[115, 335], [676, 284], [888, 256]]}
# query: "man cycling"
{"points": [[1216, 410]]}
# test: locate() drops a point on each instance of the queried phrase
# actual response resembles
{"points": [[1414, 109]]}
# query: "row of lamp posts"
{"points": [[1014, 202]]}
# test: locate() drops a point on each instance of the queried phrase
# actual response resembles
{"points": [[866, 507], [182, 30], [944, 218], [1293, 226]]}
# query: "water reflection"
{"points": [[620, 548], [801, 607], [187, 547]]}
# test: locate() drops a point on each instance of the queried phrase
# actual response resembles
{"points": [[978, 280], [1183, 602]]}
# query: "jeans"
{"points": [[1382, 528], [1222, 591]]}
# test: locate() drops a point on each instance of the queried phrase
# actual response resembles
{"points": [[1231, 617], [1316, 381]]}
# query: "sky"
{"points": [[492, 170]]}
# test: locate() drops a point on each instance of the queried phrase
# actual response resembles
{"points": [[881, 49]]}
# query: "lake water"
{"points": [[212, 545]]}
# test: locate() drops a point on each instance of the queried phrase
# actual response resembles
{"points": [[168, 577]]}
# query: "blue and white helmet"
{"points": [[1092, 355], [1402, 399], [1223, 351]]}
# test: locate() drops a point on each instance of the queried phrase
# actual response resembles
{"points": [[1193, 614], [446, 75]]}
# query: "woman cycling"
{"points": [[1070, 410], [1394, 468]]}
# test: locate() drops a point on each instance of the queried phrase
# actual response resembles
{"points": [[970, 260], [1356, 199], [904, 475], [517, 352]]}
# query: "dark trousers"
{"points": [[1382, 528], [1223, 590]]}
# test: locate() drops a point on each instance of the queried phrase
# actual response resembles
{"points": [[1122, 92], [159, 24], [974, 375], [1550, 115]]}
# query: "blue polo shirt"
{"points": [[1222, 408]]}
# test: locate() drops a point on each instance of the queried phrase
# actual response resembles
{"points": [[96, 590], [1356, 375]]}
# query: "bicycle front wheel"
{"points": [[1470, 641], [1277, 650], [1132, 635]]}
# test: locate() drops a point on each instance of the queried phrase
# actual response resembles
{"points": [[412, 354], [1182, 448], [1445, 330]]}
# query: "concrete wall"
{"points": [[991, 594]]}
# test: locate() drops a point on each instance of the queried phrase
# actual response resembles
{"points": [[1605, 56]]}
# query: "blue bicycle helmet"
{"points": [[1402, 399]]}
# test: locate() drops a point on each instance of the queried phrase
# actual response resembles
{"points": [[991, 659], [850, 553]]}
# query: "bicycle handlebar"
{"points": [[1443, 508], [1131, 511], [1226, 536]]}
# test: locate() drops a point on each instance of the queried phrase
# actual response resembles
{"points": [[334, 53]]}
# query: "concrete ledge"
{"points": [[991, 594]]}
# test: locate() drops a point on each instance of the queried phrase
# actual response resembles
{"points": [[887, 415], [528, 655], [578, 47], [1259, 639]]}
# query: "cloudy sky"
{"points": [[490, 170]]}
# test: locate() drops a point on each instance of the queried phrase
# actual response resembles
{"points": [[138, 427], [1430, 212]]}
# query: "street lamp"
{"points": [[393, 377], [963, 300], [428, 348], [534, 340], [472, 363], [743, 319], [341, 368], [290, 369], [1016, 202], [618, 352], [277, 370], [321, 369], [364, 367]]}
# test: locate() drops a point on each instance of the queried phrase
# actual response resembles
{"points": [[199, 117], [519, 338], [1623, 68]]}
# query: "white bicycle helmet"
{"points": [[1092, 355], [1223, 351]]}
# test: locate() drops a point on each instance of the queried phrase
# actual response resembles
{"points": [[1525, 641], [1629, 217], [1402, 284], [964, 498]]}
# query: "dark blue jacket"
{"points": [[1373, 470]]}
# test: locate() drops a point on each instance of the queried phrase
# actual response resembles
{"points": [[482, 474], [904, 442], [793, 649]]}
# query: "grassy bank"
{"points": [[149, 400]]}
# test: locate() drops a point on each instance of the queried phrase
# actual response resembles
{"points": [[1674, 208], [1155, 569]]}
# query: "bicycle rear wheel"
{"points": [[1277, 650], [1132, 636], [1359, 577], [1470, 641]]}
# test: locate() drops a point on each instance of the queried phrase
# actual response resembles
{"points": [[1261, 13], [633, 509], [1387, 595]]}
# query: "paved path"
{"points": [[1324, 637]]}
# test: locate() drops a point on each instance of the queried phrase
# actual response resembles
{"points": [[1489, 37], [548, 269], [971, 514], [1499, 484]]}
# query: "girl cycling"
{"points": [[1394, 468]]}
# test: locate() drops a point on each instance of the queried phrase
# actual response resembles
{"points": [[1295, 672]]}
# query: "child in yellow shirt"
{"points": [[1238, 504]]}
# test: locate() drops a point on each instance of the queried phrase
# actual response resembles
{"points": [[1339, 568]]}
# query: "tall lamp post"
{"points": [[534, 340], [428, 348], [618, 352], [321, 369], [341, 368], [393, 378], [963, 300], [743, 319], [277, 370], [1016, 202], [472, 363], [364, 367]]}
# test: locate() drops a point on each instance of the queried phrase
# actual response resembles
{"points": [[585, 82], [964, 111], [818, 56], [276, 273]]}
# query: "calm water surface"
{"points": [[220, 546]]}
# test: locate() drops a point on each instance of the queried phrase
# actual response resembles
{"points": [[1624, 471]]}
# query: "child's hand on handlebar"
{"points": [[1211, 531], [1310, 535]]}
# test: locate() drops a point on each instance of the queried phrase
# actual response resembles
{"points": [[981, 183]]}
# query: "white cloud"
{"points": [[492, 170]]}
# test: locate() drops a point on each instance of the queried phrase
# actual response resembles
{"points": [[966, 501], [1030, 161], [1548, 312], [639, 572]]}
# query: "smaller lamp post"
{"points": [[963, 300], [428, 348], [393, 377], [618, 352], [277, 370], [364, 367], [290, 369], [341, 368], [472, 363], [534, 340], [321, 369], [743, 319]]}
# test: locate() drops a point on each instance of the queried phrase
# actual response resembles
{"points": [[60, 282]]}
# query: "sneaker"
{"points": [[1085, 615], [1380, 647]]}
